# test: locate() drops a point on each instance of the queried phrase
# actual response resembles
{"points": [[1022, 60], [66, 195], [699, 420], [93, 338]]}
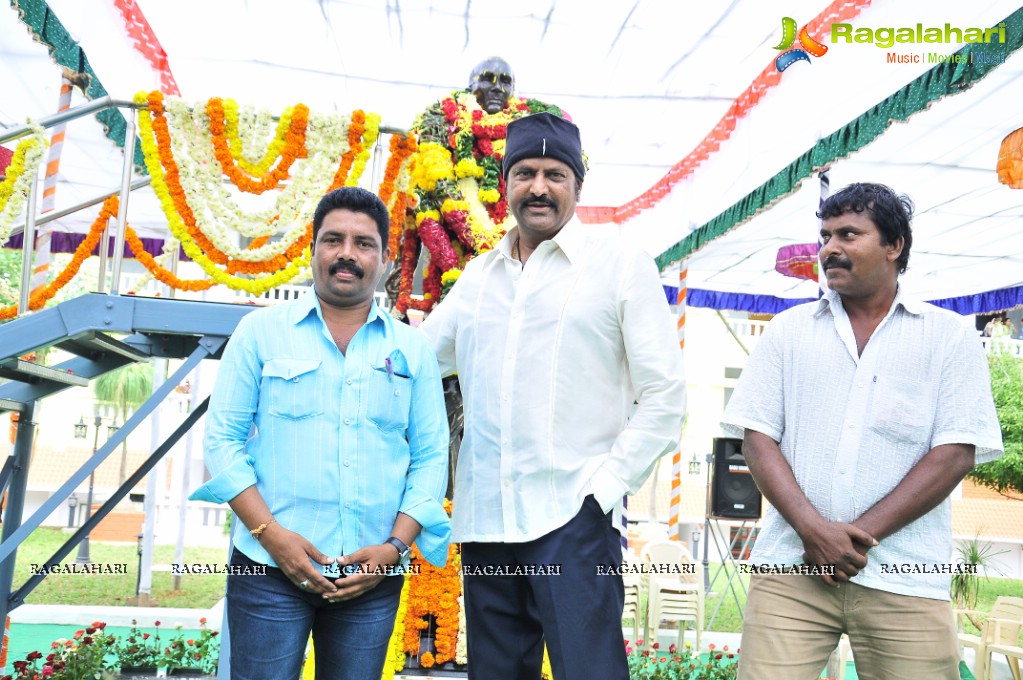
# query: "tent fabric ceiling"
{"points": [[645, 81]]}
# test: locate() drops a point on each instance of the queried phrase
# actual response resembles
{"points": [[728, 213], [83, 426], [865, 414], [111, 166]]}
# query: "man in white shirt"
{"points": [[860, 414], [555, 335]]}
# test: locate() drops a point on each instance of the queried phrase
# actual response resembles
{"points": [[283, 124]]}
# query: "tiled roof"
{"points": [[988, 518], [49, 469]]}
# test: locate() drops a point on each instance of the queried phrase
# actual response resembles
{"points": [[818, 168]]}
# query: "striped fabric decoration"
{"points": [[675, 504], [41, 268]]}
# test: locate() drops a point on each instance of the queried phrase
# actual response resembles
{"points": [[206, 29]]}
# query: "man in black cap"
{"points": [[573, 386]]}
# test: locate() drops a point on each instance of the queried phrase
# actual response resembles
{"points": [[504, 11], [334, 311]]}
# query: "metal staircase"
{"points": [[103, 333]]}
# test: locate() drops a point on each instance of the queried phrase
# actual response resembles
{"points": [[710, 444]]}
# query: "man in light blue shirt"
{"points": [[328, 437]]}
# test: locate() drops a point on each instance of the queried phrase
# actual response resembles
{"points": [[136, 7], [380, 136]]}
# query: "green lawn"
{"points": [[204, 590], [197, 590]]}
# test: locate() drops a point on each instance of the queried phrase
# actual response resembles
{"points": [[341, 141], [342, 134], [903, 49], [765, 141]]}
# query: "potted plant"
{"points": [[680, 664], [81, 657], [192, 657], [138, 653]]}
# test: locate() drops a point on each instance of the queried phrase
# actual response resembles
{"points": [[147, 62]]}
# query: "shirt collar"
{"points": [[309, 303], [911, 304], [570, 240]]}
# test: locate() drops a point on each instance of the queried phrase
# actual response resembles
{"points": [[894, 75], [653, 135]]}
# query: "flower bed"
{"points": [[94, 653]]}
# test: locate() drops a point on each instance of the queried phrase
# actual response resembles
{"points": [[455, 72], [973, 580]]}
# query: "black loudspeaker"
{"points": [[733, 493]]}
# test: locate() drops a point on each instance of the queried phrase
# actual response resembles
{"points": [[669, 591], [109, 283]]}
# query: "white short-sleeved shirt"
{"points": [[851, 427]]}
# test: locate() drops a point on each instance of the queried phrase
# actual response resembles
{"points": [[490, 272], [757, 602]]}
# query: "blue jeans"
{"points": [[269, 621]]}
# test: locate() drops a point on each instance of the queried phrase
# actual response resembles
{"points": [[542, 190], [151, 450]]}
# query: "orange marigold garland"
{"points": [[434, 592], [294, 148]]}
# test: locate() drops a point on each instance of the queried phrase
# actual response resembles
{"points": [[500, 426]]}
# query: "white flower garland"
{"points": [[15, 206], [218, 213]]}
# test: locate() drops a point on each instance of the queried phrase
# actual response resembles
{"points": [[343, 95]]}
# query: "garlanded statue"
{"points": [[459, 208]]}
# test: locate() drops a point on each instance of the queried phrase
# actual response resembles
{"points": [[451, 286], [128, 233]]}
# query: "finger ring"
{"points": [[304, 584]]}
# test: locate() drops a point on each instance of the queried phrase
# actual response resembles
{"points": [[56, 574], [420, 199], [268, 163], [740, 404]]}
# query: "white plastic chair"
{"points": [[999, 635], [673, 596], [633, 587]]}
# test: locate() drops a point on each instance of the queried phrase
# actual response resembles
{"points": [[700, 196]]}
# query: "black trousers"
{"points": [[563, 589]]}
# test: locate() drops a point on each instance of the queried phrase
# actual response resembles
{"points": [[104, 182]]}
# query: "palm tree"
{"points": [[126, 389]]}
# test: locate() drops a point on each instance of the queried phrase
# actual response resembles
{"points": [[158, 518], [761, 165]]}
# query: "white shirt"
{"points": [[551, 358], [851, 427]]}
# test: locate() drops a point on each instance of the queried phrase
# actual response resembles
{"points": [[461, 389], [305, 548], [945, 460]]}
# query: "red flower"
{"points": [[656, 645], [79, 634]]}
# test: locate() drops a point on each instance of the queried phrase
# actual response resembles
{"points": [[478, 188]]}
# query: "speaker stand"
{"points": [[725, 549]]}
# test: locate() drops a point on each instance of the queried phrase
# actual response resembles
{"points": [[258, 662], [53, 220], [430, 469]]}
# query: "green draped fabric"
{"points": [[944, 80], [47, 30]]}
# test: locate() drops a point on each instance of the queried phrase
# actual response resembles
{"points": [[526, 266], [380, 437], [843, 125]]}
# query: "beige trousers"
{"points": [[793, 623]]}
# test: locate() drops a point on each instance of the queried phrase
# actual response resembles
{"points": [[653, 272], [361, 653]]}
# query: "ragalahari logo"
{"points": [[807, 46]]}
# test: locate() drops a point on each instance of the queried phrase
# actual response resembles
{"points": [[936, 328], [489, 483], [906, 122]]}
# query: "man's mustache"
{"points": [[835, 261], [541, 201], [348, 266]]}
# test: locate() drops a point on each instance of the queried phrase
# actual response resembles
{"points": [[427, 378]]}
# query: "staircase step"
{"points": [[95, 343], [11, 405], [28, 372]]}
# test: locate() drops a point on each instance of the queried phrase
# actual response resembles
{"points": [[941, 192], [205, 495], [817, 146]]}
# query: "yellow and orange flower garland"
{"points": [[261, 266], [459, 186], [19, 176], [334, 152], [429, 591], [41, 296]]}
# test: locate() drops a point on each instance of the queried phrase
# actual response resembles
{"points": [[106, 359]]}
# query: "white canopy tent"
{"points": [[645, 81]]}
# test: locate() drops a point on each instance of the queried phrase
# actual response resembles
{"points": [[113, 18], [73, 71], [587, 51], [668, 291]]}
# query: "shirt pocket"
{"points": [[287, 384], [901, 411], [390, 398]]}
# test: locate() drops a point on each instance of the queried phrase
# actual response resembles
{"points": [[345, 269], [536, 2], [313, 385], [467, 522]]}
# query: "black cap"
{"points": [[544, 135]]}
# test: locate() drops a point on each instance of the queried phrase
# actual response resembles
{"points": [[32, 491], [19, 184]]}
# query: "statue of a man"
{"points": [[492, 83], [459, 208]]}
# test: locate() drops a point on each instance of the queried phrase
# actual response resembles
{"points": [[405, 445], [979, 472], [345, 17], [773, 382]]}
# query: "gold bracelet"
{"points": [[258, 531]]}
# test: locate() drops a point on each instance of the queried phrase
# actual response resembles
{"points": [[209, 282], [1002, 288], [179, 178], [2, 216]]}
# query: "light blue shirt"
{"points": [[337, 444]]}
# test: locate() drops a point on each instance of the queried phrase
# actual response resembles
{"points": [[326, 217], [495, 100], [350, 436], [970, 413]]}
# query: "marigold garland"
{"points": [[395, 660], [434, 591], [267, 267], [237, 145], [19, 176], [164, 172], [42, 295], [294, 148]]}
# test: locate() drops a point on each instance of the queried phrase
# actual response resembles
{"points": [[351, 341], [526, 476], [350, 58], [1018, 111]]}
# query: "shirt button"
{"points": [[295, 379], [349, 381], [348, 421], [852, 426], [348, 506], [504, 397], [397, 393], [348, 463]]}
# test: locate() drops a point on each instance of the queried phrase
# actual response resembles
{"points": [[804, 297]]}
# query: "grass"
{"points": [[204, 590], [197, 590]]}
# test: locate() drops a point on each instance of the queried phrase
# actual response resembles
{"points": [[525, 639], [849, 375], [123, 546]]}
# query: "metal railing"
{"points": [[33, 221], [28, 229]]}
